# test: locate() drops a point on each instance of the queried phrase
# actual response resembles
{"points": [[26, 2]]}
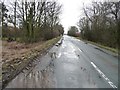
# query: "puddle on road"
{"points": [[35, 79], [59, 55], [70, 55], [40, 77]]}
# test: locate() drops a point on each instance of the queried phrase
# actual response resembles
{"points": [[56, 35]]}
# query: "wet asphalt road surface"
{"points": [[73, 64]]}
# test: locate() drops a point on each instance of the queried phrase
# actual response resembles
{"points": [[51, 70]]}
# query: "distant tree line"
{"points": [[73, 30], [101, 23], [32, 21]]}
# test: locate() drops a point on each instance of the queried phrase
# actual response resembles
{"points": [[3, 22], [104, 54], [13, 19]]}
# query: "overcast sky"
{"points": [[71, 12]]}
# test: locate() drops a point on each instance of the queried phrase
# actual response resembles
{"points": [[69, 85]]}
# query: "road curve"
{"points": [[75, 64]]}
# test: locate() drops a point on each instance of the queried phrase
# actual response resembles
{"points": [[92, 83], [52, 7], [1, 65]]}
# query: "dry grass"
{"points": [[11, 50], [15, 50], [16, 56], [101, 46], [105, 47]]}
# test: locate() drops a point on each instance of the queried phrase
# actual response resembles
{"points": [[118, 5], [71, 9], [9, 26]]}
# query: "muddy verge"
{"points": [[48, 79], [36, 77], [12, 68]]}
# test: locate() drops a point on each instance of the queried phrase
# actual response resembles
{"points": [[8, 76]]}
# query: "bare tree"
{"points": [[35, 19], [101, 19]]}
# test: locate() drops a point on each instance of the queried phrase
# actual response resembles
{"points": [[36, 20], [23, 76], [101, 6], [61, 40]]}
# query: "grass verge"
{"points": [[14, 65], [101, 46]]}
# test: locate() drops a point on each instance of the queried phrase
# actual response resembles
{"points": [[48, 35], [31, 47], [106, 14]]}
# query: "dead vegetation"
{"points": [[16, 56], [14, 49]]}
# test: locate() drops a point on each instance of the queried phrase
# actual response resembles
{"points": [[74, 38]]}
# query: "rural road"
{"points": [[73, 64]]}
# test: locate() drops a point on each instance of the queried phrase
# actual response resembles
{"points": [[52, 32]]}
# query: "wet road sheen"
{"points": [[74, 69], [75, 64]]}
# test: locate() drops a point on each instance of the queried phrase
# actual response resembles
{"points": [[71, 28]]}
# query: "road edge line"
{"points": [[103, 75]]}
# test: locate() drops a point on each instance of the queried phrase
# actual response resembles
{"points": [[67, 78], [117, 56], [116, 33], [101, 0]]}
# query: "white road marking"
{"points": [[75, 48], [72, 47], [103, 75], [78, 49]]}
